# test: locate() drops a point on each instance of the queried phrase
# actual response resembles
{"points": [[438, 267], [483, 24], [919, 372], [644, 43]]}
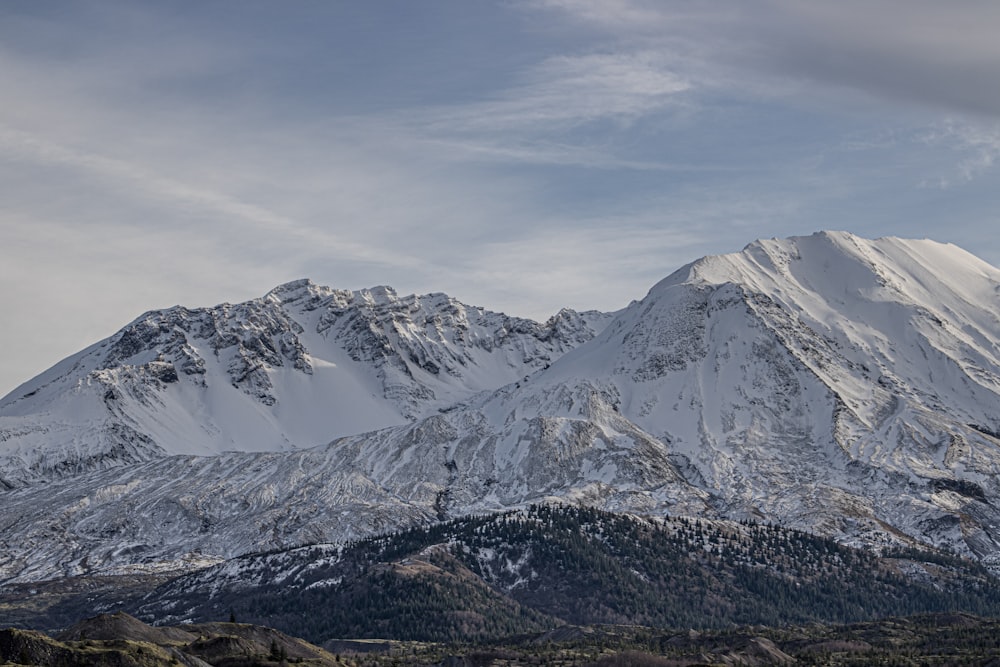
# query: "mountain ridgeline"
{"points": [[844, 387]]}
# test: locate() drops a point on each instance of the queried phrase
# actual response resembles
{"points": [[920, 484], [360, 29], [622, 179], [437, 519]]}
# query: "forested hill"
{"points": [[523, 571]]}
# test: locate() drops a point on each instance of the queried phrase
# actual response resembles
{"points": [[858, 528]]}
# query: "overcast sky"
{"points": [[522, 155]]}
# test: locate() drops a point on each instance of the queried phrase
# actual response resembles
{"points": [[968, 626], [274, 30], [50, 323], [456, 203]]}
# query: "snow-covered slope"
{"points": [[845, 386], [293, 369], [829, 382]]}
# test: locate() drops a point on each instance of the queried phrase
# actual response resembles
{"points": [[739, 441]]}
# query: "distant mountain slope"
{"points": [[828, 383], [293, 369]]}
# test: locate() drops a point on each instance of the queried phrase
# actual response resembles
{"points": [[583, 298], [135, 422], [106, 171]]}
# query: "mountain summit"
{"points": [[845, 386]]}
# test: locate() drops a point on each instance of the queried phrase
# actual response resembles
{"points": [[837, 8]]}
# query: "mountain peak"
{"points": [[292, 288], [379, 295], [836, 260]]}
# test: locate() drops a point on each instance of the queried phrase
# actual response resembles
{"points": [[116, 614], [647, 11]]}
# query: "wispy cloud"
{"points": [[976, 147], [983, 144], [541, 151], [564, 91], [609, 14], [565, 110], [228, 211], [942, 55]]}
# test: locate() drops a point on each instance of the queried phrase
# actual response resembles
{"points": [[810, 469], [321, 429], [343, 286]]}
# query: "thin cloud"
{"points": [[564, 111], [942, 55], [977, 148], [609, 14], [542, 152], [123, 175], [567, 91], [924, 52]]}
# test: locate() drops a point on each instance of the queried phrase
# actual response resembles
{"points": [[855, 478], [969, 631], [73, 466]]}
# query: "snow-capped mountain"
{"points": [[845, 386], [293, 369]]}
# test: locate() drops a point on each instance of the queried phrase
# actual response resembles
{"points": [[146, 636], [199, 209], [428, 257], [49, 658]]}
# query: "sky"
{"points": [[522, 155]]}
